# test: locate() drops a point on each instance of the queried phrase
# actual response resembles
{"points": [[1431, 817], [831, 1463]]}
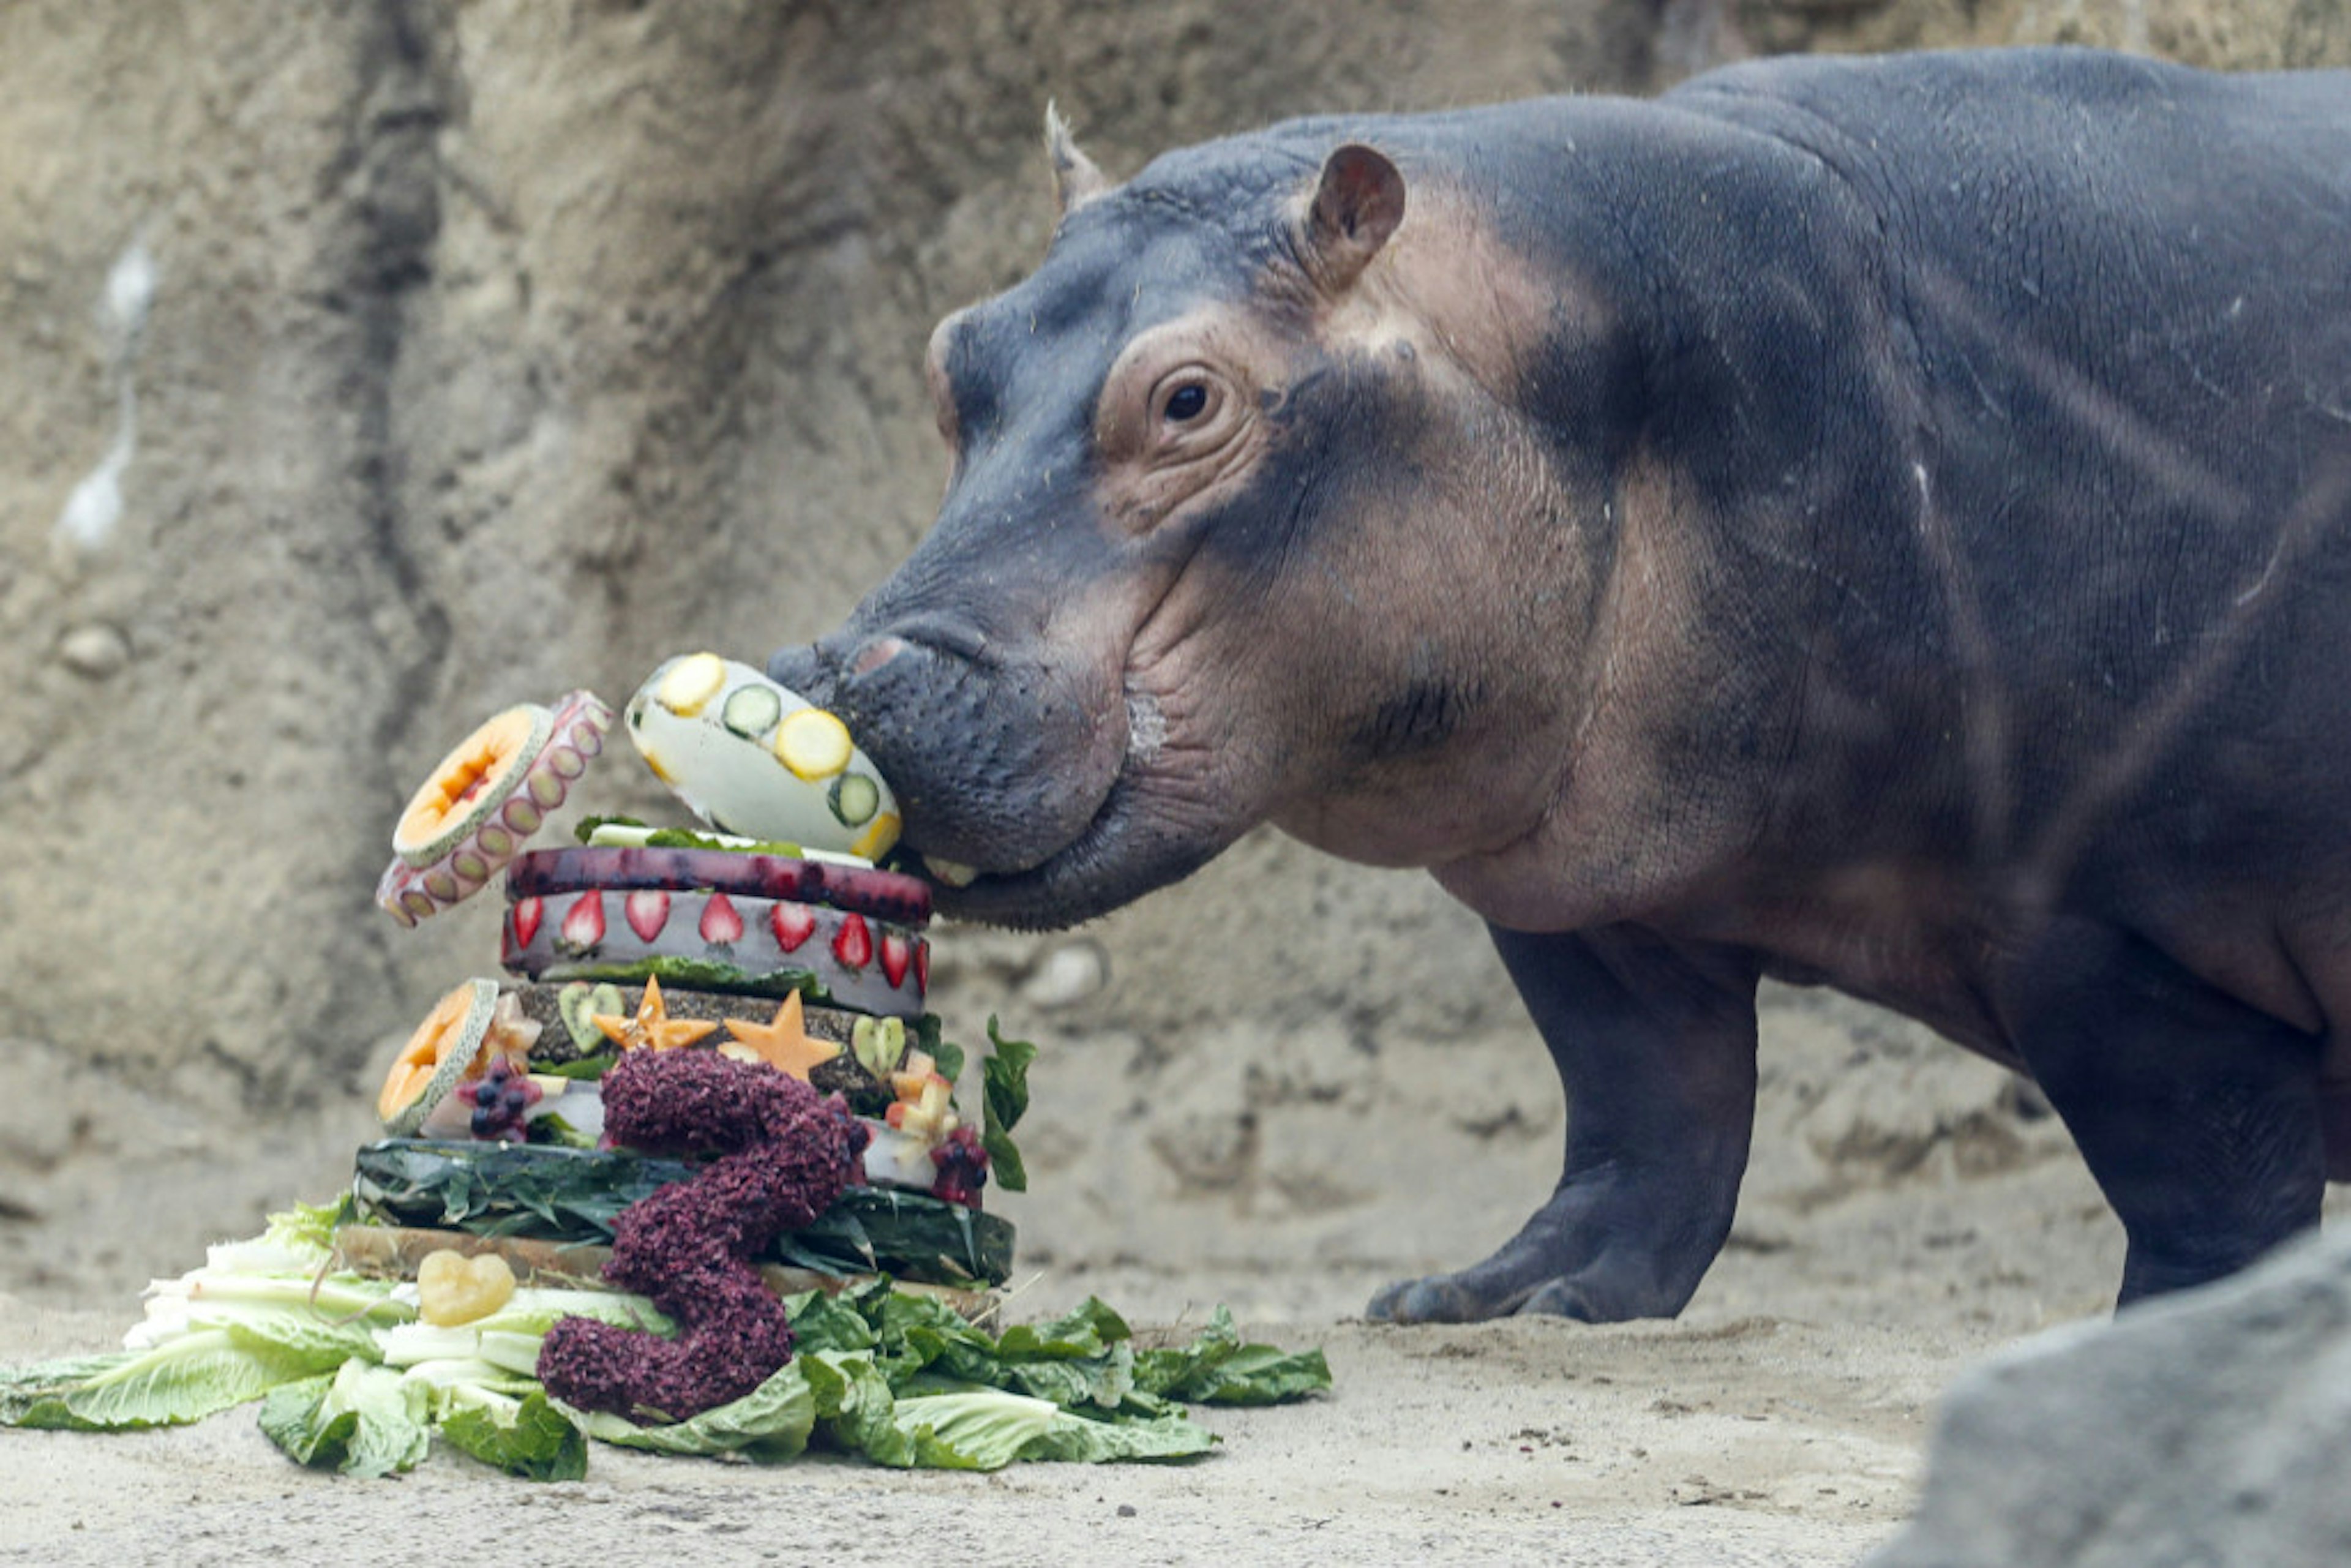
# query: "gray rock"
{"points": [[2208, 1428], [95, 651]]}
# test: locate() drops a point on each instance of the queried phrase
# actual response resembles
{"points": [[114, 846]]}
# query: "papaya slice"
{"points": [[434, 1062], [471, 782]]}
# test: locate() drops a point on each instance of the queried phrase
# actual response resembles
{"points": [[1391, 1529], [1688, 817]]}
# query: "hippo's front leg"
{"points": [[1655, 1043]]}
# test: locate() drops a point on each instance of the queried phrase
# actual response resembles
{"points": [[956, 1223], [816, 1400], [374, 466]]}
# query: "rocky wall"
{"points": [[368, 365]]}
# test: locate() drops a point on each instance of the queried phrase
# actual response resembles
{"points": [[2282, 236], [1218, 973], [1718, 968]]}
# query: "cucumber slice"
{"points": [[752, 711], [855, 799]]}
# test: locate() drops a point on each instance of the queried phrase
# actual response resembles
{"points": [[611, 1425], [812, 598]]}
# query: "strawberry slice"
{"points": [[583, 924], [854, 945], [897, 955], [721, 926], [527, 916], [647, 914], [923, 967], [793, 924]]}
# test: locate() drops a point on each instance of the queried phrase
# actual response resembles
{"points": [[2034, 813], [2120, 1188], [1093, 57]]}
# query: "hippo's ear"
{"points": [[1076, 179], [1357, 206]]}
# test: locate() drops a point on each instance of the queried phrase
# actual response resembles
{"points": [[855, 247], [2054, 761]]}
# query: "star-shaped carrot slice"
{"points": [[652, 1028], [783, 1043]]}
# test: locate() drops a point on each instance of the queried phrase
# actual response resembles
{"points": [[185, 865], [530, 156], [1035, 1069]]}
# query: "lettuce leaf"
{"points": [[969, 1429], [527, 1436], [1004, 1080], [185, 1378], [832, 1323], [1081, 1358], [771, 1422], [34, 1395], [1087, 1440], [1217, 1368], [618, 830], [854, 1402], [366, 1420]]}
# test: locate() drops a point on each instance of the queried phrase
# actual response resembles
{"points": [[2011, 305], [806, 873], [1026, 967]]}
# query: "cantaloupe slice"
{"points": [[493, 801], [471, 782], [434, 1062]]}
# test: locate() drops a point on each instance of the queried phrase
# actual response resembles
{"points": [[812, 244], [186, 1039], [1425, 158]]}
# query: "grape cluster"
{"points": [[963, 1168], [501, 1098]]}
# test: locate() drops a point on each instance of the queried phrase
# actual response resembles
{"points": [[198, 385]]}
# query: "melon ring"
{"points": [[477, 777], [501, 814], [437, 1057]]}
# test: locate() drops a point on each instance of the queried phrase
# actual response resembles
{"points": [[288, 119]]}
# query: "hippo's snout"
{"points": [[806, 668], [976, 746]]}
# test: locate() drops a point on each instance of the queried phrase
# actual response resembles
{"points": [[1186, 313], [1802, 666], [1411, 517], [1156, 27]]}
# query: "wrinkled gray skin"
{"points": [[1883, 524]]}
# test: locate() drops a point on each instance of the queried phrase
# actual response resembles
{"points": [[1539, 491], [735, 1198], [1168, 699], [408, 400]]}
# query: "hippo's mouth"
{"points": [[1132, 844]]}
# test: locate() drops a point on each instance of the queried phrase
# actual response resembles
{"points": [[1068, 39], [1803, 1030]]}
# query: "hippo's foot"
{"points": [[1473, 1295], [1560, 1265]]}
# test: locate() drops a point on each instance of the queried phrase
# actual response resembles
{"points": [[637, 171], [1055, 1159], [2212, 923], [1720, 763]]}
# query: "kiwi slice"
{"points": [[580, 1002]]}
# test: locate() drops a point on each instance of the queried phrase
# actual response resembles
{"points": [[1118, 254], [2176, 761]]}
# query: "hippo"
{"points": [[1879, 523]]}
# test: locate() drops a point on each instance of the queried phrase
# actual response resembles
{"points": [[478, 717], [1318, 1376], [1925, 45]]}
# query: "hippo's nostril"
{"points": [[876, 652]]}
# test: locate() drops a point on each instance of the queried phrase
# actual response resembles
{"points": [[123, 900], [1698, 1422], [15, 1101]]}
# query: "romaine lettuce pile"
{"points": [[348, 1376]]}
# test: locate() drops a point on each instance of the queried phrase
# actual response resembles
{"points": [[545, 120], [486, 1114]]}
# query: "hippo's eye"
{"points": [[1190, 416]]}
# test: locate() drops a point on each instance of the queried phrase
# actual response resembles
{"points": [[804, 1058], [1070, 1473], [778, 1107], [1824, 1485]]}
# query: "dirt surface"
{"points": [[1780, 1421], [1748, 1440], [1910, 1209], [1725, 1439]]}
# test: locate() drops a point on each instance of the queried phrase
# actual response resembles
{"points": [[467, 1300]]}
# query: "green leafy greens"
{"points": [[1004, 1089], [347, 1377]]}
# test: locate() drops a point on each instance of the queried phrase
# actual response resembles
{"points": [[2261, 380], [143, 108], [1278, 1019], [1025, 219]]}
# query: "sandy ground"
{"points": [[1724, 1439], [1781, 1420], [1908, 1210]]}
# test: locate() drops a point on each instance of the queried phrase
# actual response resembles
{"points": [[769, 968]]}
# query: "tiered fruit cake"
{"points": [[772, 939]]}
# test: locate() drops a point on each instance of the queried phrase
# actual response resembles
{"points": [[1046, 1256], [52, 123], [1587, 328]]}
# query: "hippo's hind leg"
{"points": [[1656, 1045], [2199, 1116]]}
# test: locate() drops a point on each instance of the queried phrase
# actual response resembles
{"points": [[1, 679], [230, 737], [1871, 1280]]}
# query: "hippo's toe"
{"points": [[1460, 1298]]}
